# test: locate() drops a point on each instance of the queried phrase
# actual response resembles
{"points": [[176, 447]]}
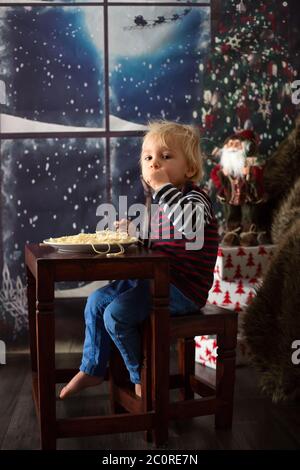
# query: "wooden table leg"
{"points": [[225, 374], [160, 322], [46, 355], [31, 299], [146, 374]]}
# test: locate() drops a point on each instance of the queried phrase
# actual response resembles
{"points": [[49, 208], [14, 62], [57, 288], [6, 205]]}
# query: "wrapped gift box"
{"points": [[206, 351], [234, 295], [240, 262]]}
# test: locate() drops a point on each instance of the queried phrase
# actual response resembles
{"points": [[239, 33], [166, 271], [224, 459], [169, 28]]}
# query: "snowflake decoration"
{"points": [[13, 300], [234, 42], [264, 107], [241, 8]]}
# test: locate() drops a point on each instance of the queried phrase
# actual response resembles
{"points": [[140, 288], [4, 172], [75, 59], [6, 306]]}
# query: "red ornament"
{"points": [[225, 48], [272, 19], [209, 120], [243, 113]]}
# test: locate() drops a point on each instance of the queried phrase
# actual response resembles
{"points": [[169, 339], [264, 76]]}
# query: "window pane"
{"points": [[102, 1], [156, 65], [50, 188], [51, 68], [125, 170], [49, 1], [160, 1]]}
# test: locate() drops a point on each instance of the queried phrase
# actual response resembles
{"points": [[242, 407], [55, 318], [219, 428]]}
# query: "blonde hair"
{"points": [[186, 136]]}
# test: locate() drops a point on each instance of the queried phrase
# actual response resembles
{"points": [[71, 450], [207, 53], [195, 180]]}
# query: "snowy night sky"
{"points": [[149, 64], [52, 67], [50, 187], [160, 65], [54, 64], [52, 79]]}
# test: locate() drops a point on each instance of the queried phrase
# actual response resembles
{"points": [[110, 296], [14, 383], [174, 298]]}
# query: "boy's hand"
{"points": [[126, 226], [157, 178], [121, 225]]}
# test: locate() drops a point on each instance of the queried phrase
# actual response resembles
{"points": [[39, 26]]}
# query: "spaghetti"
{"points": [[103, 237]]}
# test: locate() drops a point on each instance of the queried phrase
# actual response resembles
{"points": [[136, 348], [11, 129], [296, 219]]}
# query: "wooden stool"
{"points": [[215, 399]]}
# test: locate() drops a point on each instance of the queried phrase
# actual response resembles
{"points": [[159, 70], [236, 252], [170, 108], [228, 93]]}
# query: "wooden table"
{"points": [[45, 266]]}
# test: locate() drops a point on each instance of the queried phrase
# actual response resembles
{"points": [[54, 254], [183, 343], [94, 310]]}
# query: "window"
{"points": [[78, 82]]}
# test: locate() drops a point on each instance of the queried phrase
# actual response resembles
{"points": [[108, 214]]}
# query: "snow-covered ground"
{"points": [[12, 124]]}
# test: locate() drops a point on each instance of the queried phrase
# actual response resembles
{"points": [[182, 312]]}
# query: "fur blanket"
{"points": [[281, 172], [283, 168], [288, 213], [272, 321]]}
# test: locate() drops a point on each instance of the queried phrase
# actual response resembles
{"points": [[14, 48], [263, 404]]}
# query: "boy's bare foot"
{"points": [[138, 390], [79, 382]]}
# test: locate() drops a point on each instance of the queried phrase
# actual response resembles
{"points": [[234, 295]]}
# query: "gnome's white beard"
{"points": [[233, 161]]}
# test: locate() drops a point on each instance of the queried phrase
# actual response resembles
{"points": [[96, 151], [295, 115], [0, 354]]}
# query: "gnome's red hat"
{"points": [[246, 135]]}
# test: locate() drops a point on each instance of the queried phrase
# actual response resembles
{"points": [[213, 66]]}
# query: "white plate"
{"points": [[87, 248]]}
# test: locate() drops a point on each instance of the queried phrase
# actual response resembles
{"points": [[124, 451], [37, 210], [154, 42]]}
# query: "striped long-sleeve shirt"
{"points": [[180, 218]]}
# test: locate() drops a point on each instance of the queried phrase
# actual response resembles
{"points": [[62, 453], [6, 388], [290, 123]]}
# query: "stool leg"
{"points": [[117, 376], [146, 374], [186, 365], [225, 374]]}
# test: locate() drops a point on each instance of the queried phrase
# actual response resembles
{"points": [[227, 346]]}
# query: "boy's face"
{"points": [[163, 164]]}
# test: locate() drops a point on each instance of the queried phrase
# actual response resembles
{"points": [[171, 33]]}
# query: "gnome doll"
{"points": [[239, 182]]}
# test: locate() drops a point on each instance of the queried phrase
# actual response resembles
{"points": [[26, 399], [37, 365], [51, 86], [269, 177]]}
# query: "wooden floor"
{"points": [[257, 424]]}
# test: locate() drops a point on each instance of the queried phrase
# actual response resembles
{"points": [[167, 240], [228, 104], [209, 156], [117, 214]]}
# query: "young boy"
{"points": [[171, 162]]}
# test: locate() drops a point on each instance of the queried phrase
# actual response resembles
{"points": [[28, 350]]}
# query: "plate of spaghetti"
{"points": [[104, 242]]}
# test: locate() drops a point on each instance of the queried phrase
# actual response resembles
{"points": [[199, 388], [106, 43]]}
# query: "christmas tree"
{"points": [[217, 289], [250, 297], [227, 299], [240, 288], [248, 77], [237, 307], [258, 271], [241, 252], [229, 262], [250, 261], [238, 272], [262, 250], [220, 252]]}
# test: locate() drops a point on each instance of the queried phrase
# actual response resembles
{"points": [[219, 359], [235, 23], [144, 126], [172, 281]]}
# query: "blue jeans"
{"points": [[114, 312]]}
